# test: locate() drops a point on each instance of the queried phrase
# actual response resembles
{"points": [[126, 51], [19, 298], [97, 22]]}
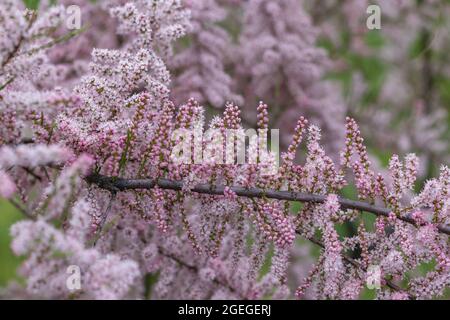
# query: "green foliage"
{"points": [[31, 4], [8, 262]]}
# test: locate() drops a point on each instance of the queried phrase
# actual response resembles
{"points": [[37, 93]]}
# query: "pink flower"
{"points": [[7, 185]]}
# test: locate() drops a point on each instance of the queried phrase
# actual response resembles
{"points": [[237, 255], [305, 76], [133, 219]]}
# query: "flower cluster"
{"points": [[279, 54], [200, 68]]}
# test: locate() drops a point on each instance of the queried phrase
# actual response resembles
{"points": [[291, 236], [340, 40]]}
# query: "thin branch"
{"points": [[20, 41], [103, 219], [195, 270], [32, 173], [119, 184], [22, 209], [52, 43], [17, 47], [357, 265], [9, 81]]}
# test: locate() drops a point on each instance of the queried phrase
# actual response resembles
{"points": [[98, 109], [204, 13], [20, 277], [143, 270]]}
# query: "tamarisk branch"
{"points": [[114, 184], [119, 184]]}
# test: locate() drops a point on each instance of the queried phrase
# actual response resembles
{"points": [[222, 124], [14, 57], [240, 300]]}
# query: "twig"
{"points": [[22, 209], [119, 184], [63, 38], [20, 41], [357, 265], [9, 81], [195, 270], [103, 219]]}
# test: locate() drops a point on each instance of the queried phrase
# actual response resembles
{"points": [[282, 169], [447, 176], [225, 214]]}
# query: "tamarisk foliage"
{"points": [[90, 165]]}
